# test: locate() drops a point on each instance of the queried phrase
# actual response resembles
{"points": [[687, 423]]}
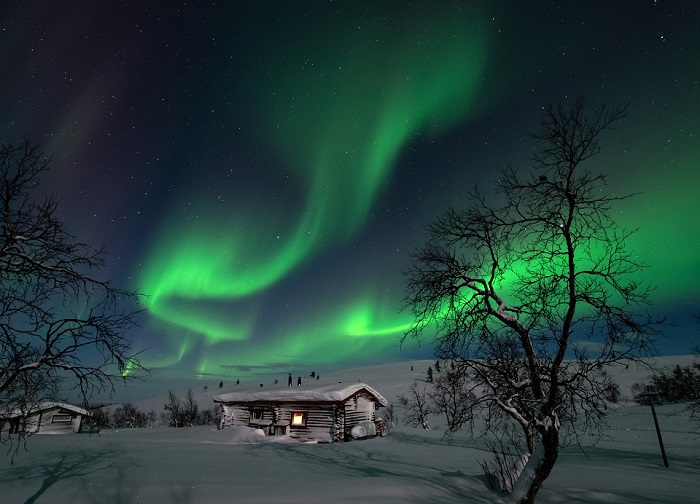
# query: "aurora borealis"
{"points": [[337, 128], [262, 170]]}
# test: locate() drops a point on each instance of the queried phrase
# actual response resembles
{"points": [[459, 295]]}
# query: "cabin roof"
{"points": [[43, 406], [336, 393]]}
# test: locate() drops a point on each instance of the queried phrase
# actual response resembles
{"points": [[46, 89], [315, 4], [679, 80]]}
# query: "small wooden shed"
{"points": [[324, 415], [45, 418]]}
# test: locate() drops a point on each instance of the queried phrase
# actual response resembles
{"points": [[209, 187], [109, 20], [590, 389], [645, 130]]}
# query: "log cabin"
{"points": [[322, 415], [45, 418]]}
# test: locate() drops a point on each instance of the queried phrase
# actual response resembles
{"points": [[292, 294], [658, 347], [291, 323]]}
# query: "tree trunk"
{"points": [[537, 468]]}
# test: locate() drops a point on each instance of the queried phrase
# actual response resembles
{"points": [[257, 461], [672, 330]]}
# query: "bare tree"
{"points": [[128, 416], [58, 317], [185, 413], [454, 396], [389, 416], [694, 404], [209, 416], [190, 410], [175, 415], [417, 405], [97, 420], [533, 293], [677, 384]]}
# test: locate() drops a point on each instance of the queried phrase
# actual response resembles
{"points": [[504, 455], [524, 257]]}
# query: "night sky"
{"points": [[262, 170]]}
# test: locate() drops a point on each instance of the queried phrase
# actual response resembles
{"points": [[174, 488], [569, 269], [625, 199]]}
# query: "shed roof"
{"points": [[43, 406], [336, 393]]}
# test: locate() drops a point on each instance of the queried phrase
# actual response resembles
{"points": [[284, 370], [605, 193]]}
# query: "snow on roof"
{"points": [[43, 406], [329, 394]]}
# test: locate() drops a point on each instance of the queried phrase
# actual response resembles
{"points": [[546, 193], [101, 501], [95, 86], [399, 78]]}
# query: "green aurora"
{"points": [[338, 129], [262, 170]]}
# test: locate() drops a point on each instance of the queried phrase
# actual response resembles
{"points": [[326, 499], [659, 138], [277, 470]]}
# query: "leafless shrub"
{"points": [[417, 405]]}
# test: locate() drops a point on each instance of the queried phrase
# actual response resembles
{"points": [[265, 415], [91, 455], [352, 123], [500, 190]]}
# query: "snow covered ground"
{"points": [[205, 465]]}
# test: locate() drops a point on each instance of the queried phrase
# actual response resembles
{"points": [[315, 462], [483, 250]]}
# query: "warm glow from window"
{"points": [[297, 419]]}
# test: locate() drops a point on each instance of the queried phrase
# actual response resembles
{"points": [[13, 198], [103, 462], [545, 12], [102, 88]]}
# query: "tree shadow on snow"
{"points": [[366, 459], [79, 465]]}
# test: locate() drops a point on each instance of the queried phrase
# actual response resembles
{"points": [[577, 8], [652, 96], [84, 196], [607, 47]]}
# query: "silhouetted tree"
{"points": [[516, 287], [60, 318]]}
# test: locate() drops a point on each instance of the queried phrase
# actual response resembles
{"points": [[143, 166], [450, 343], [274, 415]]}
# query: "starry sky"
{"points": [[261, 170]]}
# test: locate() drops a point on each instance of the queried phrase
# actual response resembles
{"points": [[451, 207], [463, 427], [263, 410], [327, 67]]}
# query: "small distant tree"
{"points": [[98, 419], [453, 395], [206, 417], [611, 391], [210, 416], [190, 410], [694, 404], [128, 416], [417, 405], [151, 419], [515, 287], [182, 412], [173, 416], [429, 374], [389, 416], [678, 384]]}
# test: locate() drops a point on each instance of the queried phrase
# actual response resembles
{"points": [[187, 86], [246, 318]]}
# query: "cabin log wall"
{"points": [[45, 422], [319, 422], [358, 409], [325, 422]]}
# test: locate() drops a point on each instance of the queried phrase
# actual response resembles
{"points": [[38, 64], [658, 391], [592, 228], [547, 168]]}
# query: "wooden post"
{"points": [[651, 396]]}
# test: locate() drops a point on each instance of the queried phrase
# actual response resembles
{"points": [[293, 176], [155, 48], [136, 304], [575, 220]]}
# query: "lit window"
{"points": [[60, 418], [298, 419]]}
